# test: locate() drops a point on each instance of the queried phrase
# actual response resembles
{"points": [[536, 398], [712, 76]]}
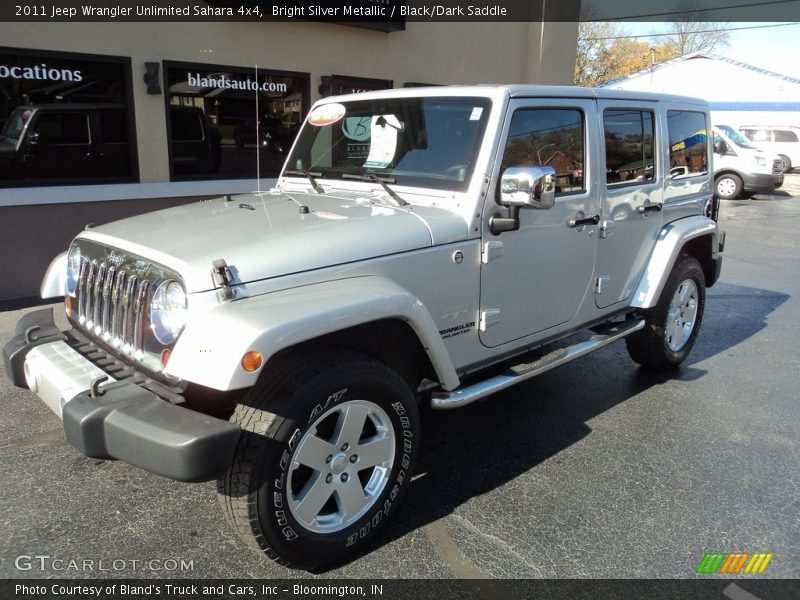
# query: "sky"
{"points": [[775, 48]]}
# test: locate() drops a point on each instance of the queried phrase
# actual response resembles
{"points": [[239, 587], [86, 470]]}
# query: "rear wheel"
{"points": [[728, 186], [672, 325], [328, 449]]}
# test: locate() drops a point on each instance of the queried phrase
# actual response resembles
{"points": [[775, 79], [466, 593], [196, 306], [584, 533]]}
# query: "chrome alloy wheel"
{"points": [[682, 315], [340, 466]]}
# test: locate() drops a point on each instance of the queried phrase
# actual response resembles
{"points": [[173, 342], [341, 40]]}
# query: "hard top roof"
{"points": [[521, 91]]}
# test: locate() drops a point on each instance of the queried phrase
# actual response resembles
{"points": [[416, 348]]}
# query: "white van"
{"points": [[782, 140], [741, 168]]}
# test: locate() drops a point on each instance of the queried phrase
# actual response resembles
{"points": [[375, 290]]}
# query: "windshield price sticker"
{"points": [[384, 130], [326, 114]]}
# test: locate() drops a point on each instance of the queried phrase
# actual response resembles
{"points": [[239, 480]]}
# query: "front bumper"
{"points": [[116, 419]]}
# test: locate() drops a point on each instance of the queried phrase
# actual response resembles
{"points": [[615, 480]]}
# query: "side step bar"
{"points": [[525, 371]]}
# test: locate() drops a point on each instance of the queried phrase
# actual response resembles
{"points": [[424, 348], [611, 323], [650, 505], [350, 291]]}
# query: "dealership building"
{"points": [[103, 120]]}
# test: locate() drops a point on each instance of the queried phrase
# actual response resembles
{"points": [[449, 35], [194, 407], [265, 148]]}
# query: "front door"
{"points": [[536, 278], [63, 147]]}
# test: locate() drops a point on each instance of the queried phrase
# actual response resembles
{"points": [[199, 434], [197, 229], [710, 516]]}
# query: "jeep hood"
{"points": [[270, 234]]}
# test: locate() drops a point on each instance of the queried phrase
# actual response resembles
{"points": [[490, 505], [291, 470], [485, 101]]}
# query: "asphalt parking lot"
{"points": [[596, 469]]}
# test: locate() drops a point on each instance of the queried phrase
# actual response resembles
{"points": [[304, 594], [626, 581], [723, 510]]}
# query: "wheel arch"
{"points": [[392, 341], [727, 171], [344, 313], [701, 249], [697, 236]]}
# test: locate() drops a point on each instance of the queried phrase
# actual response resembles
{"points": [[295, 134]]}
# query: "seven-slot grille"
{"points": [[113, 304], [777, 166]]}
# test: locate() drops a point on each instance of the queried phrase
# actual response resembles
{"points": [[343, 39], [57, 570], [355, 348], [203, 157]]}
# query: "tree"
{"points": [[693, 31], [632, 55], [606, 53], [593, 64]]}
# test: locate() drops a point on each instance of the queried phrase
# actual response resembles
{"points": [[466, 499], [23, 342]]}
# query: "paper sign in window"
{"points": [[384, 132]]}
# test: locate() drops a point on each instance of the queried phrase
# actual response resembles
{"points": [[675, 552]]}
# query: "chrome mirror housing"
{"points": [[534, 187]]}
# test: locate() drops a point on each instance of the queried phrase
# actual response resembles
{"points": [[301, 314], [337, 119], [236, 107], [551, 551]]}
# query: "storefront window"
{"points": [[223, 121], [65, 119], [336, 85]]}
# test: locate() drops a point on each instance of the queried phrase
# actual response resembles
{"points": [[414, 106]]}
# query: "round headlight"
{"points": [[168, 311], [73, 269]]}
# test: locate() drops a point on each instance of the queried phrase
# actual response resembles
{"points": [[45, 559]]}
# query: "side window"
{"points": [[629, 135], [185, 126], [63, 128], [114, 127], [757, 135], [688, 143], [549, 137], [784, 135]]}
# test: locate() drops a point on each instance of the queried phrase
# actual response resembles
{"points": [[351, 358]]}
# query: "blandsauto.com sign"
{"points": [[222, 82]]}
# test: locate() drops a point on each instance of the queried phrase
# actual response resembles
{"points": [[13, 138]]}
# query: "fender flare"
{"points": [[54, 284], [671, 239], [210, 349]]}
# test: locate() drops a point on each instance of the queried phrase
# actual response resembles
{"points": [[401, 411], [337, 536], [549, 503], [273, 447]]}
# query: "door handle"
{"points": [[648, 208], [584, 221]]}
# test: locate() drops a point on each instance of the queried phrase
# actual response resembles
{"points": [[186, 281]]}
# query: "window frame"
{"points": [[585, 139], [615, 185], [166, 65], [710, 133], [130, 112]]}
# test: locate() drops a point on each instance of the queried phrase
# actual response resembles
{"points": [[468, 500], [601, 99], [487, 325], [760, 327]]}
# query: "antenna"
{"points": [[258, 141]]}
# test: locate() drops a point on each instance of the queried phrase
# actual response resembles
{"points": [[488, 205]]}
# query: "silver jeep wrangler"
{"points": [[421, 246]]}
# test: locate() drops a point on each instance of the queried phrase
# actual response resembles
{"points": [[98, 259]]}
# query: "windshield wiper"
{"points": [[310, 175], [380, 180]]}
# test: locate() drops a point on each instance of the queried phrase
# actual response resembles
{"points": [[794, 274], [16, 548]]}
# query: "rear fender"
{"points": [[673, 237]]}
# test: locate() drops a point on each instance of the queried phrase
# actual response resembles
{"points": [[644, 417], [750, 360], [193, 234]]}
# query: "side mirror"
{"points": [[721, 147], [534, 187], [32, 141]]}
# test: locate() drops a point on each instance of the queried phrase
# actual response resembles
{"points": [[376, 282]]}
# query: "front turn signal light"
{"points": [[252, 361]]}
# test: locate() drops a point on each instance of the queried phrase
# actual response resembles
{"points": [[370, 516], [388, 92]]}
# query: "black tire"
{"points": [[238, 141], [728, 186], [787, 164], [663, 344], [281, 417]]}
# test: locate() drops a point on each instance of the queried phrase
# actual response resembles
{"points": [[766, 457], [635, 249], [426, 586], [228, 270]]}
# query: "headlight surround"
{"points": [[761, 161], [168, 311], [73, 269]]}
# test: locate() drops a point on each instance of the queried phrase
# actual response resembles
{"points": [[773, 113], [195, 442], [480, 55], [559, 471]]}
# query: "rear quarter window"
{"points": [[784, 135], [688, 143]]}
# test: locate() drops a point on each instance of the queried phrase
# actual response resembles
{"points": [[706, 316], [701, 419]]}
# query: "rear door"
{"points": [[632, 179], [113, 143]]}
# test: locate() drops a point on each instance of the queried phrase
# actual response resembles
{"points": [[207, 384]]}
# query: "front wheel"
{"points": [[328, 449], [672, 325], [787, 163], [728, 186]]}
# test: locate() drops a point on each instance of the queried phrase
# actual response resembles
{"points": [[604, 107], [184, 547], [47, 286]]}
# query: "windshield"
{"points": [[16, 122], [736, 137], [428, 142]]}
